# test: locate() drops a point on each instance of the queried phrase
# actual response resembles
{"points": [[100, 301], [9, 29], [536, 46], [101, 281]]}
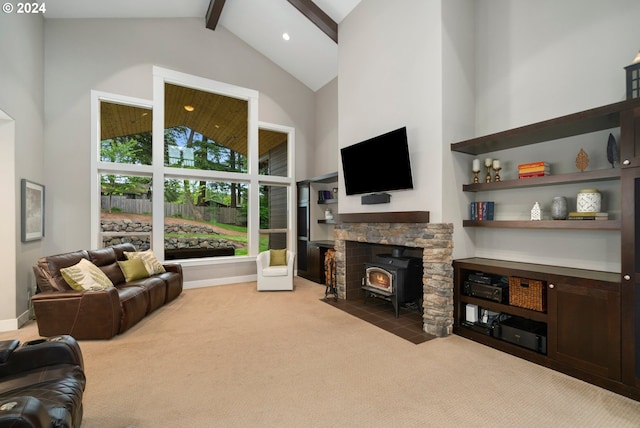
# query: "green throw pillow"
{"points": [[133, 269], [84, 275], [278, 257], [151, 262]]}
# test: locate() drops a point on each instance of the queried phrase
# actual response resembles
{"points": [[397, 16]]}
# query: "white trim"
{"points": [[9, 324], [208, 261], [289, 180], [12, 324], [10, 226], [196, 82], [218, 281], [96, 166], [160, 172]]}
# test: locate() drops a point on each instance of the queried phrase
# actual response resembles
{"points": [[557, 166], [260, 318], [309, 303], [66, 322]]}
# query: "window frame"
{"points": [[159, 172]]}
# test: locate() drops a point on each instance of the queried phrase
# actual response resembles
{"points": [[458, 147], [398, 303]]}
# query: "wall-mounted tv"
{"points": [[379, 164]]}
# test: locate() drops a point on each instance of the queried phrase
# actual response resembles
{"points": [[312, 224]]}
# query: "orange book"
{"points": [[534, 169], [533, 164]]}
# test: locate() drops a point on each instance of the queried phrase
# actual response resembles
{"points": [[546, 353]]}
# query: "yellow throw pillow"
{"points": [[151, 262], [278, 257], [84, 275], [133, 269]]}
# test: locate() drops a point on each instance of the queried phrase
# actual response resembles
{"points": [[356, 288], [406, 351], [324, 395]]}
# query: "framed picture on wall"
{"points": [[32, 215]]}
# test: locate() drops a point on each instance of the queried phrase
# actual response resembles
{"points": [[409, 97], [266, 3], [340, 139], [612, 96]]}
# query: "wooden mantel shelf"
{"points": [[386, 217]]}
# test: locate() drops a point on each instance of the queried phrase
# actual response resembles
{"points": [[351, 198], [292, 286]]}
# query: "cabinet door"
{"points": [[301, 257], [631, 277], [584, 324], [314, 270], [630, 138]]}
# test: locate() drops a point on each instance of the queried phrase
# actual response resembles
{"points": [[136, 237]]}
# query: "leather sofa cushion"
{"points": [[57, 262], [59, 388], [105, 259], [134, 303], [155, 288]]}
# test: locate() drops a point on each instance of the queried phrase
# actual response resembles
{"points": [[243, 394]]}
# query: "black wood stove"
{"points": [[394, 278]]}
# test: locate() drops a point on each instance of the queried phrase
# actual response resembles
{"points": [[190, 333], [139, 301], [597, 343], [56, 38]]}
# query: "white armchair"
{"points": [[272, 278]]}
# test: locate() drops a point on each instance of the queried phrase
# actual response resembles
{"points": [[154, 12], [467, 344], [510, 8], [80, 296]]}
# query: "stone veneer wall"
{"points": [[436, 242]]}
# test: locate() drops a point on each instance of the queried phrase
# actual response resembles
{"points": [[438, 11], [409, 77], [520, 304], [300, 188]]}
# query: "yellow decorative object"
{"points": [[582, 160]]}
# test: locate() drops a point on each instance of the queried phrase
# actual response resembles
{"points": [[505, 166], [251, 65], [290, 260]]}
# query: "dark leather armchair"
{"points": [[41, 383]]}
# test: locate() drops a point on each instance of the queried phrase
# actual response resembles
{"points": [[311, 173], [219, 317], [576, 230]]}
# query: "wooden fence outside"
{"points": [[223, 215]]}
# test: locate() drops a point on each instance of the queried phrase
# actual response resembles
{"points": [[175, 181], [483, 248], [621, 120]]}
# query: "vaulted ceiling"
{"points": [[311, 54]]}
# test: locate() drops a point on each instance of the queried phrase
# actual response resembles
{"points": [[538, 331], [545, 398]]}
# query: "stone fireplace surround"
{"points": [[358, 237]]}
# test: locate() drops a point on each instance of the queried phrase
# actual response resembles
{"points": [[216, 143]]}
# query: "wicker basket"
{"points": [[527, 293]]}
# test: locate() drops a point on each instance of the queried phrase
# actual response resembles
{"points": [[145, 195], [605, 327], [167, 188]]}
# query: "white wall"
{"points": [[539, 60], [389, 76], [323, 150], [458, 112], [21, 139], [116, 56]]}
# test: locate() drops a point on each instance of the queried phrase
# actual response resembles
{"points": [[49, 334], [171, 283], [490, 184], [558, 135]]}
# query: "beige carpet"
{"points": [[229, 356]]}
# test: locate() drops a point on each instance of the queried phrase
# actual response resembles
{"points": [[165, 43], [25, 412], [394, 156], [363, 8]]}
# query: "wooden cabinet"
{"points": [[315, 232], [592, 318], [630, 140], [584, 323], [581, 319], [630, 308]]}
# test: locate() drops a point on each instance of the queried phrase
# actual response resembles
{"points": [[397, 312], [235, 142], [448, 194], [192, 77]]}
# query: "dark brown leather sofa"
{"points": [[59, 309], [41, 383]]}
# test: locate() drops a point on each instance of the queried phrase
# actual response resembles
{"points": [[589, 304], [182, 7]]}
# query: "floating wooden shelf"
{"points": [[545, 224], [584, 122], [575, 177]]}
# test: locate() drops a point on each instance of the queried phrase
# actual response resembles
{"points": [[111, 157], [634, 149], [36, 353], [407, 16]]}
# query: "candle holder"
{"points": [[487, 178], [475, 175], [497, 175]]}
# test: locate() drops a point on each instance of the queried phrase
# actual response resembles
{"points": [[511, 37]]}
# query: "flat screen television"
{"points": [[379, 164]]}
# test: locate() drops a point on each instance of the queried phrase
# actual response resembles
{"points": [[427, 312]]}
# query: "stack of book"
{"points": [[481, 210], [324, 195], [533, 169], [588, 216]]}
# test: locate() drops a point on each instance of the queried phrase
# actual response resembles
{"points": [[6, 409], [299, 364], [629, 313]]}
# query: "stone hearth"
{"points": [[433, 241]]}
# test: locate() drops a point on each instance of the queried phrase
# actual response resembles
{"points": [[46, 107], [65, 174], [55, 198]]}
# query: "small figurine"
{"points": [[536, 213], [582, 160]]}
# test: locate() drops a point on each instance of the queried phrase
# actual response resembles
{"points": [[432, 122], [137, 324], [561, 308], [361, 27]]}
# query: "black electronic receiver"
{"points": [[496, 292]]}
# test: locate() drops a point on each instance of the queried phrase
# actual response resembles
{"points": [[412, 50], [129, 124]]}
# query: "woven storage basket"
{"points": [[527, 293]]}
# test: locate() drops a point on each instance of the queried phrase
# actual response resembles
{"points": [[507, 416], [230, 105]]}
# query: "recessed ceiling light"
{"points": [[286, 36], [189, 108]]}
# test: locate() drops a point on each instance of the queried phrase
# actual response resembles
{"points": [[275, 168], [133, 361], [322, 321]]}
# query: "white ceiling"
{"points": [[310, 55]]}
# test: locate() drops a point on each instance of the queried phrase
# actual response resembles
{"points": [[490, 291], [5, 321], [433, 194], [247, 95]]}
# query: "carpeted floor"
{"points": [[229, 356]]}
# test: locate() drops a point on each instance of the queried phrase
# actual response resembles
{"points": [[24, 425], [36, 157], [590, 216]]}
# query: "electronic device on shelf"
{"points": [[497, 292], [523, 332]]}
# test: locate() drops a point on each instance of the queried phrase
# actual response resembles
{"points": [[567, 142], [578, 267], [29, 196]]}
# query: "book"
{"points": [[588, 216], [532, 164], [533, 174], [534, 169], [487, 210], [481, 210]]}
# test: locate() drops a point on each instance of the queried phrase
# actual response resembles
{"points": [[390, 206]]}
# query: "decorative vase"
{"points": [[588, 200], [559, 208]]}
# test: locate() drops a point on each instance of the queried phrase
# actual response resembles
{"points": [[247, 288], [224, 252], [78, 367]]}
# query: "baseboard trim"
{"points": [[219, 281], [12, 324]]}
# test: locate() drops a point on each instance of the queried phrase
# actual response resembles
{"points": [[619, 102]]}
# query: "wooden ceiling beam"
{"points": [[213, 13], [316, 15]]}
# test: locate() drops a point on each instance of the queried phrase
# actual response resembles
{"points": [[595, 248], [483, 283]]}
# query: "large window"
{"points": [[191, 174]]}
